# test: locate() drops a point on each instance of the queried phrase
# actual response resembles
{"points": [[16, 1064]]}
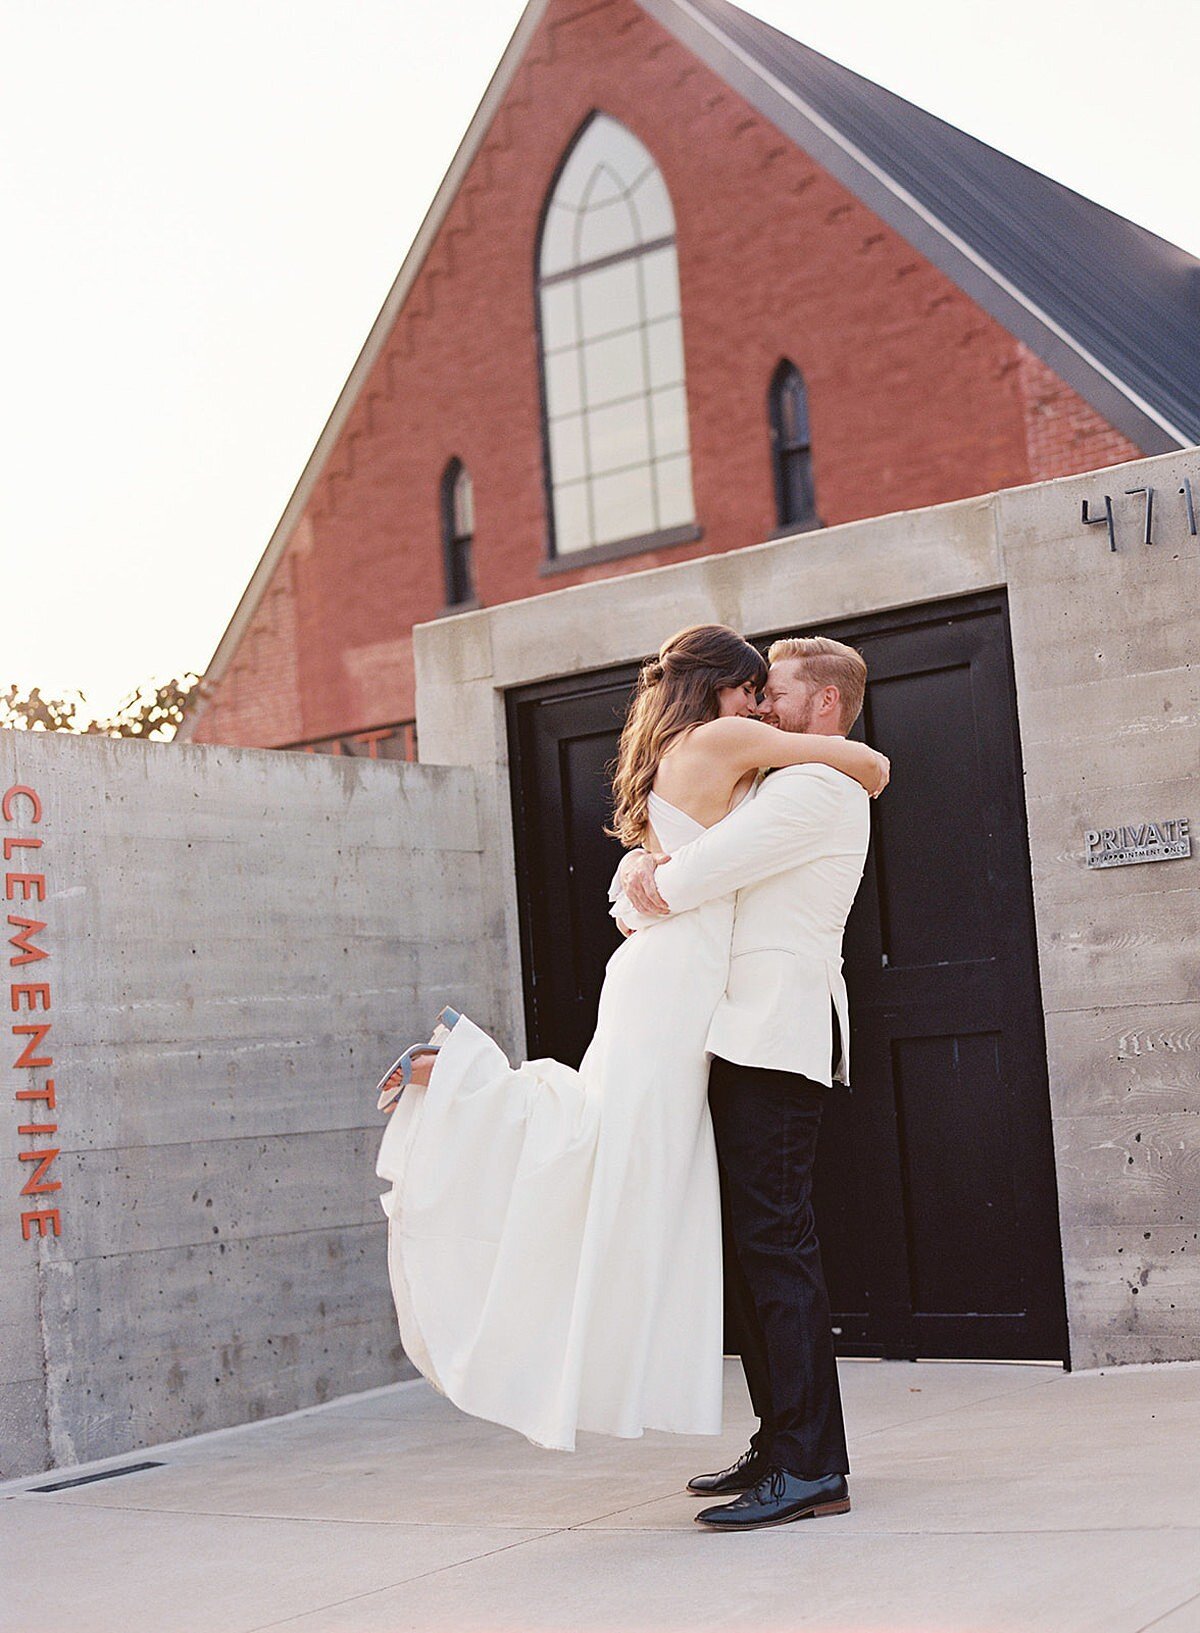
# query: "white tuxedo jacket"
{"points": [[794, 853]]}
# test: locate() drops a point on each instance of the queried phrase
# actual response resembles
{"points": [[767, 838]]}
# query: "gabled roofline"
{"points": [[463, 158], [1096, 383], [1116, 401]]}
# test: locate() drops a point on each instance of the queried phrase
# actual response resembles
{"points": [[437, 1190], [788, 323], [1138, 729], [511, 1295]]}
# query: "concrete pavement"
{"points": [[986, 1497]]}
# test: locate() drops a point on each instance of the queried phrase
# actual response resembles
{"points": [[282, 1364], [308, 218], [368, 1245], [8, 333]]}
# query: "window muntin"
{"points": [[612, 346]]}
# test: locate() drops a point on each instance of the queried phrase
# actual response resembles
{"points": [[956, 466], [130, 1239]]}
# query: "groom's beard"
{"points": [[802, 721]]}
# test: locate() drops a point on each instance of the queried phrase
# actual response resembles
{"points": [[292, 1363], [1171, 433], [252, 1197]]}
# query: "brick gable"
{"points": [[917, 396]]}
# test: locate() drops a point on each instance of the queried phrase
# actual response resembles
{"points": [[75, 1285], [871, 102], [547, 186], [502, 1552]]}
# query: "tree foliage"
{"points": [[151, 711], [33, 712]]}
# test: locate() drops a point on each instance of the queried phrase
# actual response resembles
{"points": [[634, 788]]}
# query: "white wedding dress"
{"points": [[554, 1236]]}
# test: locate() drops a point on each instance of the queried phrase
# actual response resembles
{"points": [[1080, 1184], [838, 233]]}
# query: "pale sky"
{"points": [[205, 202]]}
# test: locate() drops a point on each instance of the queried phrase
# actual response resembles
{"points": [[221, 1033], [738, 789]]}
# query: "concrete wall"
{"points": [[1106, 647], [1109, 710], [237, 943]]}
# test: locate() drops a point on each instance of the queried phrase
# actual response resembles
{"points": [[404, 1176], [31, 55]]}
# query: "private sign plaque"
{"points": [[1142, 842]]}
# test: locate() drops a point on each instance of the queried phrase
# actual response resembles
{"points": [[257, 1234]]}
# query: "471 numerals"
{"points": [[1107, 517]]}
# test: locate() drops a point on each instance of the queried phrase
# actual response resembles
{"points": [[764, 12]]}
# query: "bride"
{"points": [[554, 1235]]}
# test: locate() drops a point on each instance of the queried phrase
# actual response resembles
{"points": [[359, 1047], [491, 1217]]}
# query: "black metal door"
{"points": [[562, 740], [935, 1189]]}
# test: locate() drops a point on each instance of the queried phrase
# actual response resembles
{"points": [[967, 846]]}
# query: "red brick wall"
{"points": [[258, 700], [1063, 434], [916, 395]]}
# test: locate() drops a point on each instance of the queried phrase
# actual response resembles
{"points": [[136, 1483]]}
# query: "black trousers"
{"points": [[766, 1124]]}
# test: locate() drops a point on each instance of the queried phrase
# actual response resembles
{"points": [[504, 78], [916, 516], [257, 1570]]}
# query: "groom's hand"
{"points": [[637, 874]]}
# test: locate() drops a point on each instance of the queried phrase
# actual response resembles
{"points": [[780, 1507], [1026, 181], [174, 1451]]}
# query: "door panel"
{"points": [[563, 738], [934, 1187], [971, 1199], [949, 1110]]}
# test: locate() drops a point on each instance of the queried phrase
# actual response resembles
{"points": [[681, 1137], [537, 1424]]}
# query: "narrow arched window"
{"points": [[612, 348], [458, 533], [791, 448]]}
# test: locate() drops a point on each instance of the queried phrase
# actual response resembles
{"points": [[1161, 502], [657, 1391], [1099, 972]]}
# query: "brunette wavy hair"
{"points": [[675, 690]]}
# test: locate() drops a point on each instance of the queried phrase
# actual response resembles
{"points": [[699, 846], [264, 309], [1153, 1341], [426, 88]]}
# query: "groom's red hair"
{"points": [[828, 663]]}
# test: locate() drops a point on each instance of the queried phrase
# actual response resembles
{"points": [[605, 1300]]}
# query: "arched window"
{"points": [[458, 533], [791, 448], [612, 347]]}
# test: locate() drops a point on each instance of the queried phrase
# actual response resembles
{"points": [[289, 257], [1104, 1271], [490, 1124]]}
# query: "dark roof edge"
{"points": [[1122, 406]]}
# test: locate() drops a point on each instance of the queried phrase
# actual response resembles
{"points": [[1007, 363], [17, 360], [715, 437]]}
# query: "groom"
{"points": [[780, 1042]]}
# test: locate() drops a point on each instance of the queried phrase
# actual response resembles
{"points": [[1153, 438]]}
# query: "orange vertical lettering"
{"points": [[27, 881], [31, 1186], [29, 928], [11, 844], [30, 991], [37, 1035], [13, 794], [46, 1094]]}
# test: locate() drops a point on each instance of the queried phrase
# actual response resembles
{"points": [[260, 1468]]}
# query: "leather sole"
{"points": [[842, 1507]]}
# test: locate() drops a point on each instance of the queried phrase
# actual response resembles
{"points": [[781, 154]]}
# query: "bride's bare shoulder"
{"points": [[730, 734]]}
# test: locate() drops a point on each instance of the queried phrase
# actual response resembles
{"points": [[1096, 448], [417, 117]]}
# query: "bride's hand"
{"points": [[885, 773], [638, 878]]}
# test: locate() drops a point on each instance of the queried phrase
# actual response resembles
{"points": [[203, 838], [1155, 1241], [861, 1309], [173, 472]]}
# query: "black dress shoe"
{"points": [[777, 1499], [743, 1475]]}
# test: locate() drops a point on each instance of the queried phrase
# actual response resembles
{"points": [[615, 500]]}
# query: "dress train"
{"points": [[554, 1235]]}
